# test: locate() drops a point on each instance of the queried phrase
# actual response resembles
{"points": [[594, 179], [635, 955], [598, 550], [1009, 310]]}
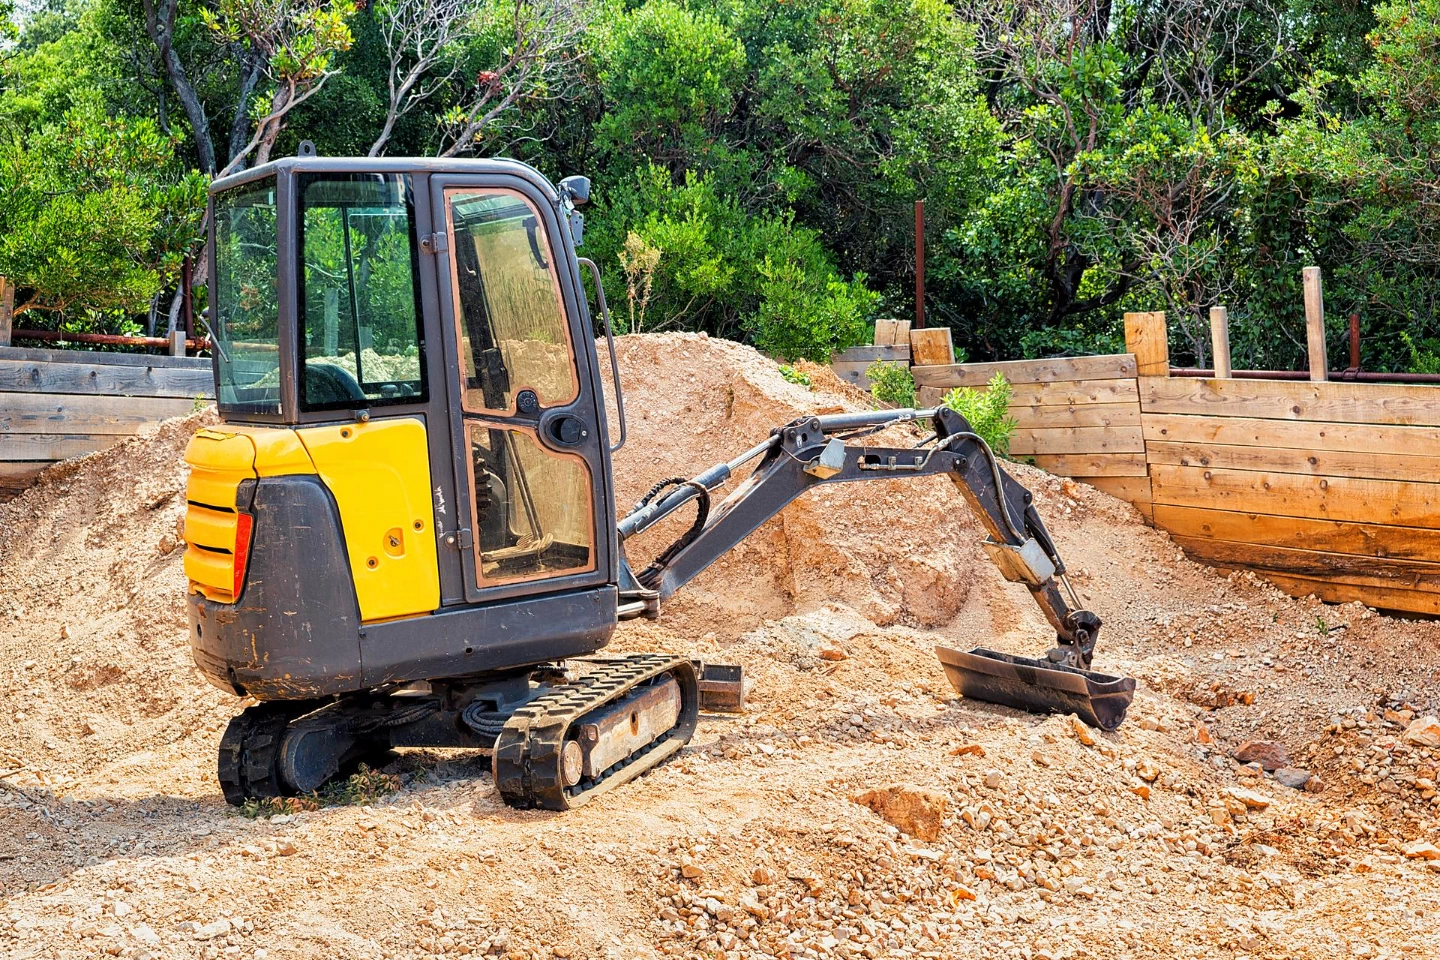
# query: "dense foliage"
{"points": [[755, 163]]}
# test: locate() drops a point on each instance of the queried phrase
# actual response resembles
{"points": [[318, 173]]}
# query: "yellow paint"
{"points": [[219, 459], [379, 474]]}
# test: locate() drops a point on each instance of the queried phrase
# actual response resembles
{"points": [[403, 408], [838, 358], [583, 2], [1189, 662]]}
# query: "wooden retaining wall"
{"points": [[1075, 416], [56, 404], [1325, 488]]}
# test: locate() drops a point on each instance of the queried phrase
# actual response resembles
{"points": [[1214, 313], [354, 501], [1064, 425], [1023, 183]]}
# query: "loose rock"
{"points": [[1267, 753], [915, 810], [1425, 731]]}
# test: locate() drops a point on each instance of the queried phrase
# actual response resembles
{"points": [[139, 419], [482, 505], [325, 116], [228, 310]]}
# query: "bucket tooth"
{"points": [[1038, 686]]}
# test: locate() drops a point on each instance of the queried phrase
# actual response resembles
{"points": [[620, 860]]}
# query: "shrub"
{"points": [[987, 411], [798, 377], [892, 383]]}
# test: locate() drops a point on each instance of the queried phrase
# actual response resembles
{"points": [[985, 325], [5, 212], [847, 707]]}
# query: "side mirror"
{"points": [[576, 190]]}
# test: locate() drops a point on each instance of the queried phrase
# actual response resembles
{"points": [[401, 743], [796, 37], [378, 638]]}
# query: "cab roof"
{"points": [[422, 165]]}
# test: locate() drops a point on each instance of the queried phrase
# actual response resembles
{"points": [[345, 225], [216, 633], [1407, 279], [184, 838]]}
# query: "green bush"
{"points": [[709, 265], [96, 219], [798, 377], [892, 383], [988, 411]]}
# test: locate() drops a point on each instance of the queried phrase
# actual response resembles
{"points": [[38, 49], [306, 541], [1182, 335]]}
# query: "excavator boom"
{"points": [[813, 451]]}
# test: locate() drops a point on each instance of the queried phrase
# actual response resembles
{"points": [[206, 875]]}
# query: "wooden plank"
{"points": [[1093, 464], [95, 356], [1076, 415], [1118, 366], [46, 446], [1220, 341], [931, 346], [104, 379], [73, 413], [1298, 435], [1135, 490], [855, 373], [19, 475], [892, 332], [1388, 502], [894, 353], [1078, 440], [1360, 539], [1381, 403], [1315, 324], [1361, 571], [1336, 591], [1374, 466], [1147, 338], [1074, 393]]}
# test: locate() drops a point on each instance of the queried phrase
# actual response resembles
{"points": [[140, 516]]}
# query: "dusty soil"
{"points": [[1041, 840]]}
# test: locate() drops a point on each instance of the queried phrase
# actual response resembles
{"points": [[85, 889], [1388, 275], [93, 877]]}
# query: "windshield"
{"points": [[245, 325], [360, 341]]}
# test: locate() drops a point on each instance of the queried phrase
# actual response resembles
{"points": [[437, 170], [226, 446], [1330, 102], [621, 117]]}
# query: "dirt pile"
{"points": [[889, 549], [1041, 840]]}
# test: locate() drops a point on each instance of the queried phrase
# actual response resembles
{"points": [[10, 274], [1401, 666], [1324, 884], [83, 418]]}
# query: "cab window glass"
{"points": [[360, 335], [512, 329], [532, 507], [247, 308]]}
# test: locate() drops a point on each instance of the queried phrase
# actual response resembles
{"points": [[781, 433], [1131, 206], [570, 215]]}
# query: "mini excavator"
{"points": [[405, 531]]}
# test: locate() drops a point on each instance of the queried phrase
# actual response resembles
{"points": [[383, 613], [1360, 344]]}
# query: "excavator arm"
{"points": [[813, 451]]}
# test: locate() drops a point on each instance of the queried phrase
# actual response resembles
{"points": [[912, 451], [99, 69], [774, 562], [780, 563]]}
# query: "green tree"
{"points": [[98, 215]]}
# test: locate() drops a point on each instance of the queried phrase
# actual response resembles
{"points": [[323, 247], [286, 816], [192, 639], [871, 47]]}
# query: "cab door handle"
{"points": [[567, 430]]}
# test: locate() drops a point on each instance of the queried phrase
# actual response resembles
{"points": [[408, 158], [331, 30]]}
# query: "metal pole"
{"points": [[187, 293], [1354, 341], [919, 264]]}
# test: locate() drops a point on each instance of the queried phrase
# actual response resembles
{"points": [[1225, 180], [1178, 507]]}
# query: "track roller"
{"points": [[625, 717]]}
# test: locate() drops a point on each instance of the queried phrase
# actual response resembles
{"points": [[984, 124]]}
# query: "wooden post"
{"points": [[1315, 323], [7, 310], [1146, 337], [177, 343], [1220, 341], [931, 346]]}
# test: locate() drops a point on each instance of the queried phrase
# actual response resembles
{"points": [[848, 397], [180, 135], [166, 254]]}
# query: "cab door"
{"points": [[531, 460]]}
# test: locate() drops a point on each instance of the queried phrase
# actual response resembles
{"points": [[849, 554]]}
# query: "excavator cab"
{"points": [[414, 336], [404, 531]]}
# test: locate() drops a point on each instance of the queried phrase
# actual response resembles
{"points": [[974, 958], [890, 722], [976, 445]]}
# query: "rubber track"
{"points": [[248, 752], [527, 752]]}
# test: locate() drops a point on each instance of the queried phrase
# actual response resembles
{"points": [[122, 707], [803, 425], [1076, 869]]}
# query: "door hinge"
{"points": [[459, 539], [434, 243]]}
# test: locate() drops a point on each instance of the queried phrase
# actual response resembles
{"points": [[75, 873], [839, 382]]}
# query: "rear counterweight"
{"points": [[294, 633]]}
